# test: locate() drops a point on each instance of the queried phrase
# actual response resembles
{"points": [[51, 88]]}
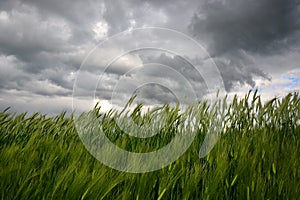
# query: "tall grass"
{"points": [[256, 157]]}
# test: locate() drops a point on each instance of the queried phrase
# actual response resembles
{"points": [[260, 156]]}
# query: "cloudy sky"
{"points": [[55, 51]]}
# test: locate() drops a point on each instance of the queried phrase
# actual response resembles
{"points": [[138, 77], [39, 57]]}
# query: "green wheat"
{"points": [[256, 157]]}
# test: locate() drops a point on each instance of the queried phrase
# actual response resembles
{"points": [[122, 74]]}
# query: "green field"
{"points": [[256, 157]]}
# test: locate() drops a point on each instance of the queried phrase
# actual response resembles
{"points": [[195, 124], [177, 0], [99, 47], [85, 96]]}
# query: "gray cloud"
{"points": [[9, 4], [32, 39], [49, 84], [258, 26], [43, 43], [181, 66], [155, 94], [81, 16], [122, 15], [239, 69], [234, 29]]}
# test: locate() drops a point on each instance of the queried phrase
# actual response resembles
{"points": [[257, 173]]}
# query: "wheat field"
{"points": [[256, 156]]}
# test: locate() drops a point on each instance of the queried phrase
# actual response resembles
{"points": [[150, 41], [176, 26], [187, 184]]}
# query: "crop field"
{"points": [[257, 155]]}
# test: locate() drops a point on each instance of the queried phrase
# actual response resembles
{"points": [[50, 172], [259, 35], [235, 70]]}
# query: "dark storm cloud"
{"points": [[43, 43], [162, 69], [239, 69], [157, 94], [32, 39], [21, 36], [181, 66], [235, 29], [256, 26], [49, 33], [36, 50]]}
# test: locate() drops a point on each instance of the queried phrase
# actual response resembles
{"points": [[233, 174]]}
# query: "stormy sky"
{"points": [[55, 51]]}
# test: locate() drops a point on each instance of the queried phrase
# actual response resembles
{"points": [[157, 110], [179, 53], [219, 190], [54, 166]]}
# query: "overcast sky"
{"points": [[46, 45]]}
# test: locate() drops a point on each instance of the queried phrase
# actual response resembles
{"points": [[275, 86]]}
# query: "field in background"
{"points": [[256, 157]]}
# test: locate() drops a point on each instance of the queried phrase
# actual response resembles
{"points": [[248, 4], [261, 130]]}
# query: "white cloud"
{"points": [[9, 67], [100, 30], [279, 86], [4, 16]]}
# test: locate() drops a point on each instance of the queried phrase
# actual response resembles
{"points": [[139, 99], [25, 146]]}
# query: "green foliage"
{"points": [[256, 157]]}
